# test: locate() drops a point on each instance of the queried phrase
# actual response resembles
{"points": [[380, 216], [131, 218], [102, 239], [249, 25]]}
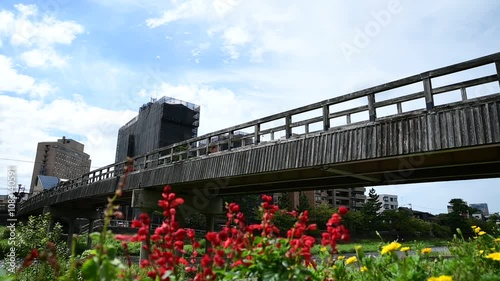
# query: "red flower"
{"points": [[343, 210]]}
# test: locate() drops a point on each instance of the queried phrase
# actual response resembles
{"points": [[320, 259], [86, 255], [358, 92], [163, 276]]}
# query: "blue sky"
{"points": [[82, 68]]}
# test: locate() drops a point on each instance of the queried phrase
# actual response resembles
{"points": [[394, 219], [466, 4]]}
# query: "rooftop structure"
{"points": [[159, 123]]}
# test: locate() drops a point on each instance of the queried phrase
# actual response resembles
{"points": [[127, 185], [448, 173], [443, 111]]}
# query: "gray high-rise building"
{"points": [[63, 159], [482, 207], [159, 123]]}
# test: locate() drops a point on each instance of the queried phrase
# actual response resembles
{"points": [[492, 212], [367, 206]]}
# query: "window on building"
{"points": [[392, 199], [386, 199], [386, 206]]}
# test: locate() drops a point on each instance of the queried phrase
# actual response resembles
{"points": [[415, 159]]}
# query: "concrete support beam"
{"points": [[71, 231], [71, 213], [91, 227]]}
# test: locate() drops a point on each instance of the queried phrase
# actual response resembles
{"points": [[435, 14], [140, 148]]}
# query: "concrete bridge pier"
{"points": [[91, 221], [70, 216]]}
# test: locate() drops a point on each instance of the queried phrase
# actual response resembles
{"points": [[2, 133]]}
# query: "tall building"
{"points": [[352, 198], [64, 159], [159, 123], [483, 207], [389, 202]]}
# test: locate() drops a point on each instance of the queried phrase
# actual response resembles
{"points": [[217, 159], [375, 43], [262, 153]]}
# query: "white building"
{"points": [[389, 202]]}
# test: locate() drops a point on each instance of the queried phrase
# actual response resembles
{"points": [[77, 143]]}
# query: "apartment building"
{"points": [[389, 202], [64, 159]]}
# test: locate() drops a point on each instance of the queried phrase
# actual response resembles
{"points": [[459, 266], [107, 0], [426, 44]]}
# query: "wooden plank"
{"points": [[429, 132], [487, 123], [465, 127], [469, 114], [288, 128], [438, 133], [443, 129], [429, 99], [495, 115], [402, 99], [497, 66], [364, 142], [479, 117], [372, 112], [326, 119], [378, 140], [341, 146], [465, 84], [463, 92]]}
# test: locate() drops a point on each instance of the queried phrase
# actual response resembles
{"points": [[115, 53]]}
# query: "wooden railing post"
{"points": [[326, 117], [257, 134], [497, 64], [372, 112], [230, 136], [429, 99], [463, 91], [288, 126]]}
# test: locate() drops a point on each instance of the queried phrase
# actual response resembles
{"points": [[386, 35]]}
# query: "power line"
{"points": [[28, 161]]}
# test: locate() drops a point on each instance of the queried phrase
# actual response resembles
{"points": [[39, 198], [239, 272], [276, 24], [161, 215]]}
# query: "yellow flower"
{"points": [[481, 252], [481, 233], [351, 260], [494, 256], [497, 240], [340, 258], [334, 267], [477, 229], [405, 249], [323, 249], [358, 247], [426, 250], [363, 269], [473, 227], [390, 248], [441, 278]]}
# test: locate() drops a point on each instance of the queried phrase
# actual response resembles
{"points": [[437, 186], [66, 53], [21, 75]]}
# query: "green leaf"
{"points": [[89, 270]]}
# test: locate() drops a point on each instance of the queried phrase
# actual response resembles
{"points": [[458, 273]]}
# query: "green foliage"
{"points": [[284, 202], [303, 203], [196, 221], [34, 234], [249, 205], [283, 222], [320, 215]]}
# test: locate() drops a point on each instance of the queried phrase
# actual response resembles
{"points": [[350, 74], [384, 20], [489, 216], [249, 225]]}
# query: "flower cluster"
{"points": [[335, 230], [236, 248], [165, 247]]}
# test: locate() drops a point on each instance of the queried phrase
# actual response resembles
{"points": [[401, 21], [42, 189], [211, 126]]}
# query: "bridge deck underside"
{"points": [[453, 142]]}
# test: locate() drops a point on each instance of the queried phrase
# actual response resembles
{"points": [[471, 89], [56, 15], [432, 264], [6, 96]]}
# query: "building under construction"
{"points": [[159, 123]]}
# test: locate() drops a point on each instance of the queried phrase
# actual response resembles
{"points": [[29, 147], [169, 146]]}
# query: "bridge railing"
{"points": [[313, 118]]}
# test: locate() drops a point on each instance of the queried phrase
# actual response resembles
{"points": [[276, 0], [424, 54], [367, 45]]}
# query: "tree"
{"points": [[249, 204], [320, 215], [372, 204], [459, 207], [370, 211], [284, 202], [303, 203]]}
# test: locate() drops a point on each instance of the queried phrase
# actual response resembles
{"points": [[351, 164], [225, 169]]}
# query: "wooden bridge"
{"points": [[347, 141]]}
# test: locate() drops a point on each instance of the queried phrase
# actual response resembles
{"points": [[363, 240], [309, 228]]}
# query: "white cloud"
{"points": [[187, 9], [13, 81], [97, 128], [42, 58], [35, 35], [30, 28]]}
